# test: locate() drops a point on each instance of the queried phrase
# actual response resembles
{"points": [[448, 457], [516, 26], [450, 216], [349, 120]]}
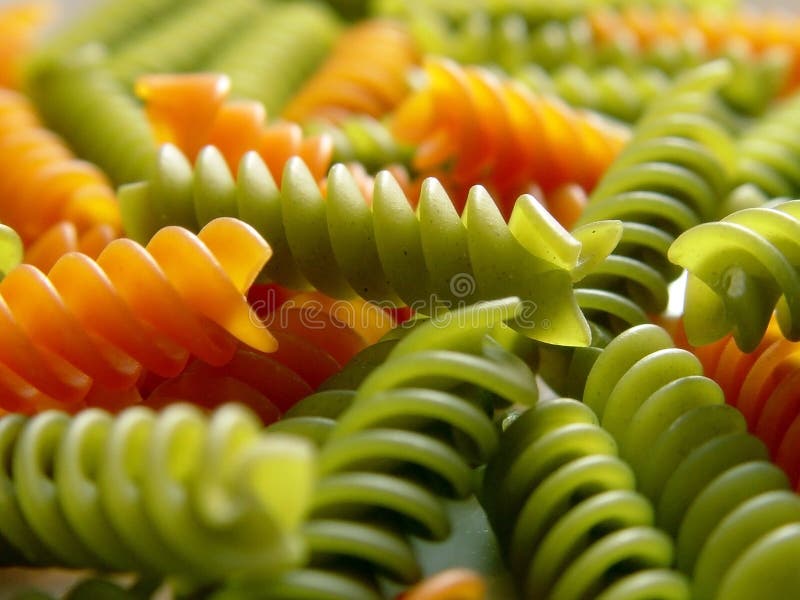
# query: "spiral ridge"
{"points": [[671, 176], [277, 52], [471, 126], [80, 100], [135, 307], [714, 489], [183, 39], [742, 268], [567, 513], [408, 436], [175, 493], [384, 252], [762, 385]]}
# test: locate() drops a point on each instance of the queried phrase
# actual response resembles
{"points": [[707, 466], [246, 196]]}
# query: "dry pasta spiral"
{"points": [[407, 437], [171, 493], [193, 110], [365, 74], [741, 268], [762, 384], [470, 126], [80, 100], [135, 307], [184, 39], [271, 58], [730, 510], [42, 184], [345, 247], [566, 512]]}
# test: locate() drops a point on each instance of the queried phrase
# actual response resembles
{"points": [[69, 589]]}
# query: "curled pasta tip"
{"points": [[566, 511], [181, 108], [452, 584], [741, 269], [133, 307], [235, 493]]}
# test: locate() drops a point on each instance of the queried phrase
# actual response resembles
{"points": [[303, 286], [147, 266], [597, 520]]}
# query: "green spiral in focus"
{"points": [[406, 438], [430, 259], [729, 509]]}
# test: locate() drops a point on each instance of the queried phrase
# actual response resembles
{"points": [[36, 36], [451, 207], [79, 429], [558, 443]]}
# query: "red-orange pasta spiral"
{"points": [[41, 183], [761, 32], [765, 386], [473, 127], [366, 73], [134, 308], [192, 111]]}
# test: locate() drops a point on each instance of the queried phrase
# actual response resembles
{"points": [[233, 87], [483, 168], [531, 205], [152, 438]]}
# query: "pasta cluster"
{"points": [[376, 300]]}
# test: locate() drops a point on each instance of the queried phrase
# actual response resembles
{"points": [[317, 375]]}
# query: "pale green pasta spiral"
{"points": [[175, 493]]}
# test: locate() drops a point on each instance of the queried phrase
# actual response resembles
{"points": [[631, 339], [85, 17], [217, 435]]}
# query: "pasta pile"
{"points": [[375, 300]]}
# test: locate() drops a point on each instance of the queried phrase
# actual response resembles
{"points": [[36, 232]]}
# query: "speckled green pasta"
{"points": [[741, 268], [365, 140], [609, 90], [565, 509], [408, 436], [159, 494], [671, 176], [184, 39], [109, 22], [711, 482], [429, 259], [81, 101], [270, 57]]}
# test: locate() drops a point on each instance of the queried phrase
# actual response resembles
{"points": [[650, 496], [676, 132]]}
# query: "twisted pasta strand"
{"points": [[183, 39], [741, 268], [365, 74], [767, 155], [82, 102], [565, 509], [672, 176], [473, 127], [41, 183], [277, 52], [728, 508], [174, 493], [192, 111], [407, 436], [384, 252], [135, 307], [762, 384]]}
